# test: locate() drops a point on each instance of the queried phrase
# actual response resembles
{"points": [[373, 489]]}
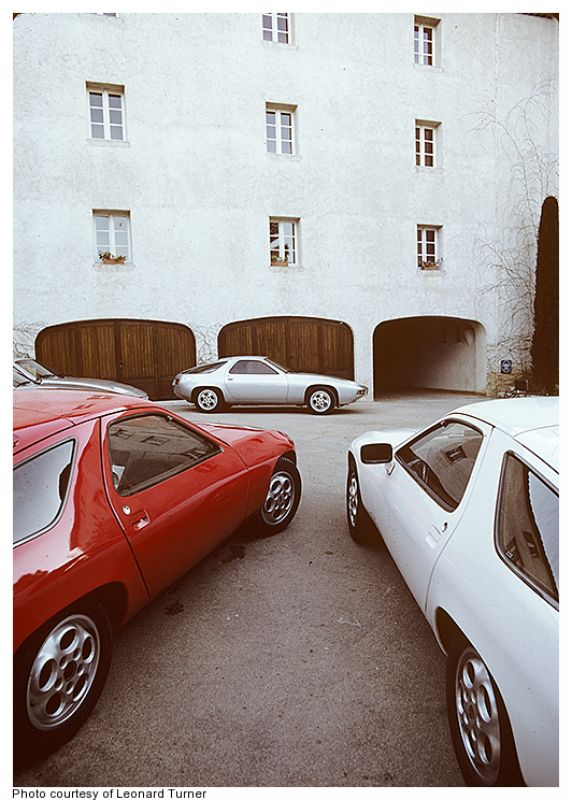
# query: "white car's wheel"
{"points": [[59, 674], [479, 723], [208, 400], [360, 525], [320, 400]]}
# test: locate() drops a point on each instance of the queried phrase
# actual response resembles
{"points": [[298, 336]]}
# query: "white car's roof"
{"points": [[534, 421]]}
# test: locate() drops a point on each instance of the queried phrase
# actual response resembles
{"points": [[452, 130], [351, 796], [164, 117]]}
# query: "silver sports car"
{"points": [[29, 372], [253, 380]]}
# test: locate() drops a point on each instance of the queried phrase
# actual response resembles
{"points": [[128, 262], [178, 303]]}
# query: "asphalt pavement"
{"points": [[296, 660]]}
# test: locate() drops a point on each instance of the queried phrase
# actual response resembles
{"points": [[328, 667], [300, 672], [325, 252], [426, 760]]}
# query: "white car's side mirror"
{"points": [[376, 453]]}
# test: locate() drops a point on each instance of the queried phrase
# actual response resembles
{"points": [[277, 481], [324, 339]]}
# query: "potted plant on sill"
{"points": [[277, 261], [430, 264], [108, 258]]}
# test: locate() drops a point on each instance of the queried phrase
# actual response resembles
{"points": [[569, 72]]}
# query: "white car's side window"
{"points": [[527, 526], [442, 459]]}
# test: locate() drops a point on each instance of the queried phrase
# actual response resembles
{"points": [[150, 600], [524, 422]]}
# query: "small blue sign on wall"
{"points": [[506, 366]]}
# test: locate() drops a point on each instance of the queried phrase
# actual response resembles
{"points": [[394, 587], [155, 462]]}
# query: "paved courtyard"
{"points": [[296, 660]]}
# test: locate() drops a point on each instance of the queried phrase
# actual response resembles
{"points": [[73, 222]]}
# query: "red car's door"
{"points": [[175, 491]]}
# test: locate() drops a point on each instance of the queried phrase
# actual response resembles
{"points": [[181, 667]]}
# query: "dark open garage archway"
{"points": [[304, 344], [141, 352], [429, 353]]}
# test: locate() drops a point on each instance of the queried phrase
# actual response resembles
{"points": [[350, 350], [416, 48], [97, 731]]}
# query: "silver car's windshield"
{"points": [[18, 378], [34, 368], [278, 366]]}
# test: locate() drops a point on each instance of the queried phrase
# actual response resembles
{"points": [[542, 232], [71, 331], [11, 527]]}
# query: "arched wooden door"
{"points": [[143, 353], [304, 344]]}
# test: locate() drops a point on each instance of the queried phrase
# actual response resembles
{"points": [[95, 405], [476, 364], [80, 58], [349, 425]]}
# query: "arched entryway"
{"points": [[304, 344], [143, 353], [429, 353]]}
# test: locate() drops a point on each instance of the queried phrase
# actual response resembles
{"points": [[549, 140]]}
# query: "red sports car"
{"points": [[114, 499]]}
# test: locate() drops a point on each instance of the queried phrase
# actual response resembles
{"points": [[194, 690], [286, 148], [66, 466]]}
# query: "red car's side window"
{"points": [[40, 489], [151, 448]]}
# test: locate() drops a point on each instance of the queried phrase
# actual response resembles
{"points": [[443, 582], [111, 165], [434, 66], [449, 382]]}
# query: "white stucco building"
{"points": [[398, 161]]}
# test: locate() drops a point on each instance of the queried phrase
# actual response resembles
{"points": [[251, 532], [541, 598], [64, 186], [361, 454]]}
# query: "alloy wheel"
{"points": [[63, 672], [279, 499]]}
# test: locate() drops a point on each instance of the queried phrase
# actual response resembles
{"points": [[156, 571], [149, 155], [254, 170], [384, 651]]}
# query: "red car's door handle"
{"points": [[139, 521]]}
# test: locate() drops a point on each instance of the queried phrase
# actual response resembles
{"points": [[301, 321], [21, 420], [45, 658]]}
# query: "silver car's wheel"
{"points": [[208, 400], [320, 401], [59, 674], [63, 672], [479, 724]]}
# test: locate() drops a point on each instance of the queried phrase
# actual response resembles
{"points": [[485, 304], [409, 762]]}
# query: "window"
{"points": [[106, 112], [283, 242], [442, 461], [527, 526], [279, 129], [40, 489], [204, 368], [427, 247], [275, 27], [425, 144], [112, 235], [252, 368], [425, 41], [149, 449]]}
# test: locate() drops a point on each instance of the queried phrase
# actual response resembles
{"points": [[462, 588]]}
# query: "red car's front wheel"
{"points": [[59, 674]]}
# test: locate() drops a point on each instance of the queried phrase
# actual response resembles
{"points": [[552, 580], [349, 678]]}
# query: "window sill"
{"points": [[432, 67], [430, 270], [285, 156], [127, 266], [285, 45], [285, 270], [108, 143]]}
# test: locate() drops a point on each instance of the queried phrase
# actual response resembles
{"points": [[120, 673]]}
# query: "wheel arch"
{"points": [[223, 392], [314, 386], [447, 631]]}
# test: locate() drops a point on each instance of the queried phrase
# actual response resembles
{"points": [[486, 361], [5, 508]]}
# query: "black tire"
{"points": [[208, 400], [481, 732], [321, 400], [281, 501], [360, 525], [53, 698]]}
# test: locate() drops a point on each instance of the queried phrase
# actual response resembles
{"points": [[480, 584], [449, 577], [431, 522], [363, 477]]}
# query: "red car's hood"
{"points": [[230, 434], [254, 445]]}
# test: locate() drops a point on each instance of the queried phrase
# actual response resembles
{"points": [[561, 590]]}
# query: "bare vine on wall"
{"points": [[510, 263], [206, 342], [23, 340]]}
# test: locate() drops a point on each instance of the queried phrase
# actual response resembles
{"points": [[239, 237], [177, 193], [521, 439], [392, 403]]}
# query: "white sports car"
{"points": [[468, 509], [249, 380]]}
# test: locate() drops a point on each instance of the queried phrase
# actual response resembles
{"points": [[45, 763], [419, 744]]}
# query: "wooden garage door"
{"points": [[143, 353], [304, 344]]}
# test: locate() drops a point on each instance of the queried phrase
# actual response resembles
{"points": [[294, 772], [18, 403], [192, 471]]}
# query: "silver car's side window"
{"points": [[442, 459], [150, 448], [40, 489], [252, 368], [527, 526]]}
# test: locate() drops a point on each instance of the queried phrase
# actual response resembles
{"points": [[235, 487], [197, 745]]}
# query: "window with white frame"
{"points": [[283, 242], [112, 236], [279, 129], [428, 247], [106, 112], [426, 41], [426, 143], [276, 27]]}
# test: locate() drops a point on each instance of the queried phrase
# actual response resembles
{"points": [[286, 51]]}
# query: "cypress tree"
{"points": [[544, 351]]}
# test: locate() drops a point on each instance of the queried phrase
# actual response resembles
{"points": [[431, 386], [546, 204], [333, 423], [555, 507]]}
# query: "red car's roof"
{"points": [[41, 412]]}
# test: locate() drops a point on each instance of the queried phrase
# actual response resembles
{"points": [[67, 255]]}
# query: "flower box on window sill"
{"points": [[108, 258], [426, 265], [279, 263]]}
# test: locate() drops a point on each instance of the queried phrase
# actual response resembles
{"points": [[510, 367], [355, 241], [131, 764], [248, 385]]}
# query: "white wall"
{"points": [[200, 186]]}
